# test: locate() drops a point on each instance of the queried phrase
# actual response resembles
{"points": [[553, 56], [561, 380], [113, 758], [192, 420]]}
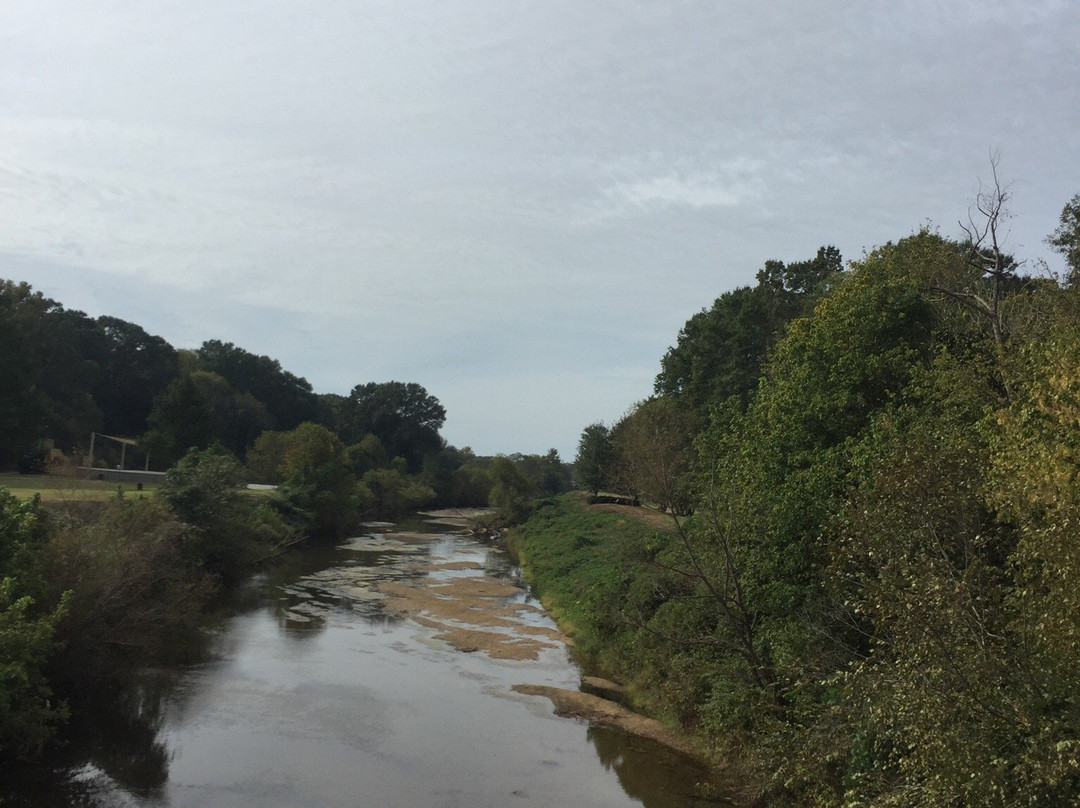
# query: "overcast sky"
{"points": [[516, 204]]}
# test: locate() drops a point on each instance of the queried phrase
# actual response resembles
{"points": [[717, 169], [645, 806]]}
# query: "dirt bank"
{"points": [[575, 704]]}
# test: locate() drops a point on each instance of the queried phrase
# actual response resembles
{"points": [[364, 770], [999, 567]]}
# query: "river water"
{"points": [[364, 676]]}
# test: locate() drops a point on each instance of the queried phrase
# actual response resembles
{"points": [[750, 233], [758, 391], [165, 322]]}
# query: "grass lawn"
{"points": [[68, 489]]}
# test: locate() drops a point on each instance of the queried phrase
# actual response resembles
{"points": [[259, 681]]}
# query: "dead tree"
{"points": [[995, 269], [983, 230]]}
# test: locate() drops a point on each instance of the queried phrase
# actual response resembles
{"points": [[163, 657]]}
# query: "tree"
{"points": [[510, 490], [404, 417], [46, 373], [318, 483], [595, 458], [1066, 239], [28, 714], [231, 531], [720, 351], [366, 455], [134, 367], [655, 453], [394, 493], [471, 484], [995, 271], [24, 407], [198, 410], [553, 476], [289, 399], [439, 469], [772, 476], [266, 457]]}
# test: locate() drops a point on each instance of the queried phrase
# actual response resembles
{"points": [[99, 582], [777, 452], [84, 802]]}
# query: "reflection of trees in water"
{"points": [[652, 773], [123, 739], [117, 735]]}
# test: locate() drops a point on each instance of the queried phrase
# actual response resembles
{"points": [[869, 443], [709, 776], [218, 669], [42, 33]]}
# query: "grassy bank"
{"points": [[595, 567], [55, 488]]}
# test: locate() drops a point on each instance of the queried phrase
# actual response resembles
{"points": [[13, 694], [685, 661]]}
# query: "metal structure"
{"points": [[124, 443]]}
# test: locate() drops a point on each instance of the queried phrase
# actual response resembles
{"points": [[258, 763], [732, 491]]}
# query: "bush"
{"points": [[27, 712], [229, 531], [134, 596]]}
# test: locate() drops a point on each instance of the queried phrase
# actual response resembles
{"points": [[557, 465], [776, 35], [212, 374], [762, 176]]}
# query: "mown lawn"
{"points": [[54, 488]]}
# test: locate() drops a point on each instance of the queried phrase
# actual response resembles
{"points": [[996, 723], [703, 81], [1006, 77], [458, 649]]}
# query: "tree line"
{"points": [[90, 592], [870, 594], [65, 375]]}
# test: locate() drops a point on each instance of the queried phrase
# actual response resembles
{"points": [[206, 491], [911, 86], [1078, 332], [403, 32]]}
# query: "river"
{"points": [[375, 674]]}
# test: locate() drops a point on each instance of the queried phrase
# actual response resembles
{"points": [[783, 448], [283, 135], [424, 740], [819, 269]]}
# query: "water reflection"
{"points": [[652, 773], [115, 746]]}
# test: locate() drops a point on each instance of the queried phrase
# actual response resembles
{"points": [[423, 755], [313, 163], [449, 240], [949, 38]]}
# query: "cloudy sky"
{"points": [[514, 203]]}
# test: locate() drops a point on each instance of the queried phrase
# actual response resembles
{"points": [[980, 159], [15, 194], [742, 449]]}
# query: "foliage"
{"points": [[510, 490], [45, 373], [720, 351], [875, 600], [318, 484], [366, 455], [553, 476], [288, 399], [136, 590], [266, 457], [654, 451], [199, 410], [471, 485], [546, 473], [439, 471], [229, 532], [394, 493], [594, 464], [27, 712], [919, 582], [404, 417], [1066, 239], [133, 368]]}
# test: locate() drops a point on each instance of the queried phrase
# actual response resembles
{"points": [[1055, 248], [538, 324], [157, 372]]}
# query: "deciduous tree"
{"points": [[404, 417], [595, 459]]}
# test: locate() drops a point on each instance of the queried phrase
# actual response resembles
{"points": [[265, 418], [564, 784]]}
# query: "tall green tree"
{"points": [[1066, 239], [28, 710], [47, 370], [288, 398], [720, 350], [403, 416], [772, 476], [319, 484], [230, 530], [198, 410], [511, 490], [654, 448], [24, 407], [594, 464], [133, 368]]}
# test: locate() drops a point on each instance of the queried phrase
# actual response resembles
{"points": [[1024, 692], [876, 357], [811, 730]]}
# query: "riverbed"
{"points": [[378, 673]]}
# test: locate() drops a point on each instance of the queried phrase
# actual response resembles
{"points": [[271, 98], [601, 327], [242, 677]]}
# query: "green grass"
{"points": [[54, 488], [615, 578], [583, 561]]}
